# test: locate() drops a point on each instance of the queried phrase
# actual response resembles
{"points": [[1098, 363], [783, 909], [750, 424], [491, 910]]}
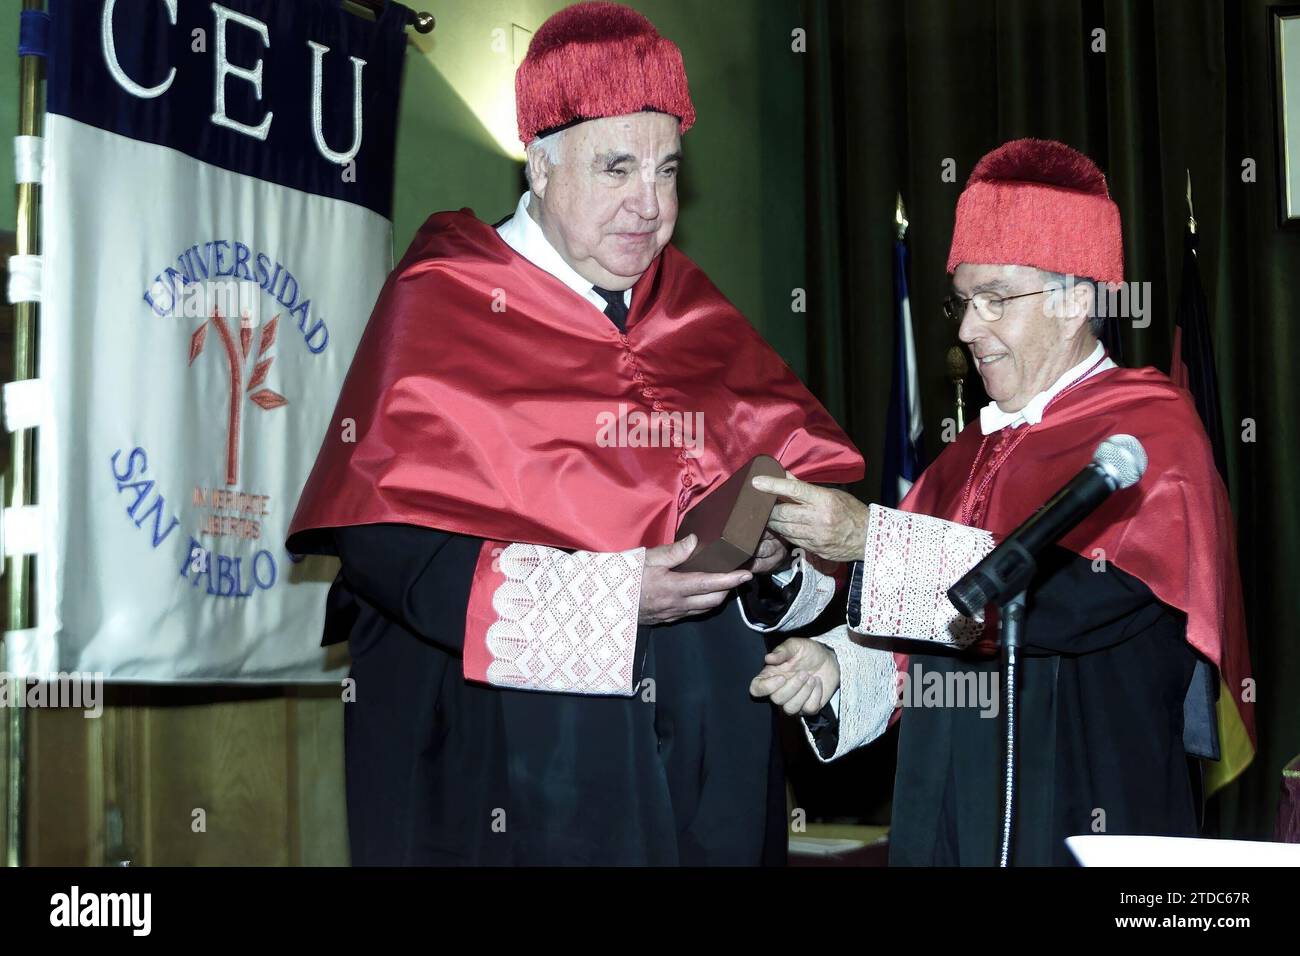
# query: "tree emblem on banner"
{"points": [[236, 357]]}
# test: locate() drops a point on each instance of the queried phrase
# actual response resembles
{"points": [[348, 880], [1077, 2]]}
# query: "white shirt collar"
{"points": [[522, 234], [994, 419]]}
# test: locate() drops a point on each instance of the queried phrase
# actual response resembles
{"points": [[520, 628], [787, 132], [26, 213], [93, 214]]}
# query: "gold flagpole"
{"points": [[20, 481], [957, 369]]}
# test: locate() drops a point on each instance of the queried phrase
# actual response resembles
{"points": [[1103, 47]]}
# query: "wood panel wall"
{"points": [[177, 776]]}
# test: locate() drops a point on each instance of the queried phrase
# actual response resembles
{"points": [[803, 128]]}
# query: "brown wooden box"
{"points": [[729, 523]]}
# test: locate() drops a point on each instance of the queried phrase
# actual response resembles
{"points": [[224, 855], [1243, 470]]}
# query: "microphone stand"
{"points": [[1011, 623], [1013, 578]]}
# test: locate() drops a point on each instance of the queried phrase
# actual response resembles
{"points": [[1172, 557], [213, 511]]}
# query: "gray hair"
{"points": [[1096, 317], [550, 146]]}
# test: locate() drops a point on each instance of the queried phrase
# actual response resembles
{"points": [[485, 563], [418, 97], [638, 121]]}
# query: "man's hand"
{"points": [[801, 676], [772, 555], [667, 595], [824, 521]]}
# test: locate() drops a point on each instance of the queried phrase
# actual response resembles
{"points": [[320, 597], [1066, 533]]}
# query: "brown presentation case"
{"points": [[729, 523]]}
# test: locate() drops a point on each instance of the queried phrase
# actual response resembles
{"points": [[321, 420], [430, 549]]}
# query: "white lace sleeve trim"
{"points": [[909, 563], [868, 693], [815, 592], [567, 623]]}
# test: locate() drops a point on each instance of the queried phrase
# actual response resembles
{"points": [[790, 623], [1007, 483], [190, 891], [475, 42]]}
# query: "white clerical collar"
{"points": [[994, 419], [522, 234]]}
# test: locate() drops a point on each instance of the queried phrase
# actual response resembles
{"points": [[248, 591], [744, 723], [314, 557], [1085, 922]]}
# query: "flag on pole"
{"points": [[904, 447], [1192, 367], [1192, 364]]}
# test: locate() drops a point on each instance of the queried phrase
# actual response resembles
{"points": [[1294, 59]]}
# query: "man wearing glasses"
{"points": [[1133, 620]]}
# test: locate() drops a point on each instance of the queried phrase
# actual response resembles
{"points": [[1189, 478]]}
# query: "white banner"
{"points": [[213, 247]]}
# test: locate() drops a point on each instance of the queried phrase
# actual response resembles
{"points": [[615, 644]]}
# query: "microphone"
{"points": [[1119, 462]]}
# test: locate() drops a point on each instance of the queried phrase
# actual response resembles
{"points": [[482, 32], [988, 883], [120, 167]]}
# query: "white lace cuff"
{"points": [[565, 623], [815, 592], [910, 561], [868, 693]]}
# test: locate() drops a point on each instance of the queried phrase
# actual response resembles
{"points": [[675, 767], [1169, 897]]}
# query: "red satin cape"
{"points": [[1173, 530], [482, 383]]}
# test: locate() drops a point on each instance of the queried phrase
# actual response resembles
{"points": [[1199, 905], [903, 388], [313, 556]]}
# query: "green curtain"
{"points": [[896, 90]]}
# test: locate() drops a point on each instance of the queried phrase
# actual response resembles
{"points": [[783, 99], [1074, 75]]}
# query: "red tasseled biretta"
{"points": [[1039, 203], [592, 60]]}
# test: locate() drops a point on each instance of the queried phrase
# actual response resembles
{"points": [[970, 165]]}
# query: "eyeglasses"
{"points": [[988, 305]]}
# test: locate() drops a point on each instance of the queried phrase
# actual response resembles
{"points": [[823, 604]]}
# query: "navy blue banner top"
{"points": [[185, 74]]}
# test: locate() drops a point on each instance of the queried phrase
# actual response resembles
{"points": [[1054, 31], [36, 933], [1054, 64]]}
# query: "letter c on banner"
{"points": [[115, 68]]}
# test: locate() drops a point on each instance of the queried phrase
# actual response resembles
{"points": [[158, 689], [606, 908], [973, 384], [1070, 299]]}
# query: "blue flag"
{"points": [[904, 448]]}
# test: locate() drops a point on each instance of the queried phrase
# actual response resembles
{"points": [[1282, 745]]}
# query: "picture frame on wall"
{"points": [[1284, 36]]}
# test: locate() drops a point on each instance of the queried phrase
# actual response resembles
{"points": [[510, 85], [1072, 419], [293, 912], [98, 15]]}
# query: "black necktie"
{"points": [[615, 307]]}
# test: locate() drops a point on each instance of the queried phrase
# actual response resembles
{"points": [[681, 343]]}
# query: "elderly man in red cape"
{"points": [[531, 411], [1134, 619]]}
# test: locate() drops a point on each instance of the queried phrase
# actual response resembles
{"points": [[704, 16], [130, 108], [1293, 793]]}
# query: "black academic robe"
{"points": [[1104, 677], [442, 771]]}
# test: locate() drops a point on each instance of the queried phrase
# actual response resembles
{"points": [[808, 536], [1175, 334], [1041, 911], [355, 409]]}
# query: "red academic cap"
{"points": [[592, 60], [1037, 202]]}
